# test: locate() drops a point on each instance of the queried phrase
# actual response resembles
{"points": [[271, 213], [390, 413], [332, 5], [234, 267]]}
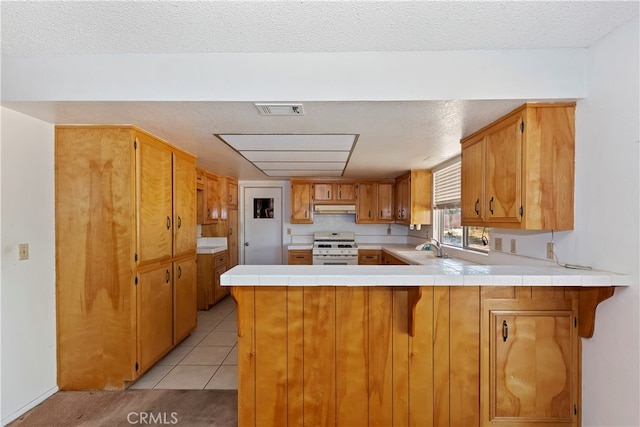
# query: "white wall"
{"points": [[28, 287], [607, 233]]}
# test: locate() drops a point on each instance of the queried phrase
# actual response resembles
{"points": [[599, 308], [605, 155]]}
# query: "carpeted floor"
{"points": [[183, 408]]}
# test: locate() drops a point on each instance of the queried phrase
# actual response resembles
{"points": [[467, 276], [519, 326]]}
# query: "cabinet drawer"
{"points": [[369, 256], [220, 259], [300, 257]]}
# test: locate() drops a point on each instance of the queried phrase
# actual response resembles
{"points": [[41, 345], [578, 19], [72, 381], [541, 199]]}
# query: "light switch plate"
{"points": [[499, 244], [513, 246], [23, 251]]}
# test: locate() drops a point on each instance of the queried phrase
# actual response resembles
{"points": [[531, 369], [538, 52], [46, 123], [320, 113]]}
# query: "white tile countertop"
{"points": [[211, 245], [443, 272]]}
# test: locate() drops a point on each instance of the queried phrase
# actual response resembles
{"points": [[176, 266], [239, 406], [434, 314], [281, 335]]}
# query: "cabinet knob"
{"points": [[168, 222], [505, 330], [246, 243], [179, 222], [491, 205], [168, 276], [476, 206], [179, 272]]}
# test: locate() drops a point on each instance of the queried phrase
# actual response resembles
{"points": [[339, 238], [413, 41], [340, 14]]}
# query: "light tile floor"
{"points": [[207, 359]]}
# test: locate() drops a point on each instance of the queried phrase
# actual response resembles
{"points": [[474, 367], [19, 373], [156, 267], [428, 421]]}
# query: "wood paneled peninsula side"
{"points": [[445, 343]]}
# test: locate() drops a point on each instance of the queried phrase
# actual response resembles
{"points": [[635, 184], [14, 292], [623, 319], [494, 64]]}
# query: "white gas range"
{"points": [[335, 248]]}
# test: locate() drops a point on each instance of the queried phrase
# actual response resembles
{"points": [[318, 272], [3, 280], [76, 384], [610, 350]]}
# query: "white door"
{"points": [[262, 226]]}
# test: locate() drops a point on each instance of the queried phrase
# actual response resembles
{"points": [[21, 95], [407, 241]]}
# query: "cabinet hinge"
{"points": [[521, 211], [135, 144], [136, 281], [522, 126], [136, 366], [575, 322], [135, 257], [575, 409]]}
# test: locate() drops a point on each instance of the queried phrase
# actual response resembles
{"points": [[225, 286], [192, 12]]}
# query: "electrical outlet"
{"points": [[550, 250], [23, 251], [499, 244], [513, 246], [289, 231], [389, 231]]}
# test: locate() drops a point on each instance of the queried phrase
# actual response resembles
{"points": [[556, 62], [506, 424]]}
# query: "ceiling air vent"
{"points": [[280, 109]]}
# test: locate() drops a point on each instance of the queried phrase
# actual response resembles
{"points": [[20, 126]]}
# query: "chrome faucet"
{"points": [[438, 247]]}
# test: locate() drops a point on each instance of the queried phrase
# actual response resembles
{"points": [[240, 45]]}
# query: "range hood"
{"points": [[334, 209]]}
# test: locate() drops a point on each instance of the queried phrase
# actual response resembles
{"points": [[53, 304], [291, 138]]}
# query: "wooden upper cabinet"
{"points": [[503, 163], [345, 193], [232, 193], [184, 204], [384, 212], [518, 172], [154, 199], [333, 192], [212, 202], [367, 203], [414, 197], [301, 206], [374, 202], [322, 192], [472, 186], [529, 362]]}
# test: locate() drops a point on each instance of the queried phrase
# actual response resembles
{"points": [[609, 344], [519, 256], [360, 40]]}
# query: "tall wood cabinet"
{"points": [[518, 172], [125, 224]]}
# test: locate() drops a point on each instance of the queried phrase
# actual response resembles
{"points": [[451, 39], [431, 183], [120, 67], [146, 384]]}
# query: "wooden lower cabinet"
{"points": [[369, 257], [210, 267], [184, 298], [388, 259], [154, 314], [300, 257], [425, 356]]}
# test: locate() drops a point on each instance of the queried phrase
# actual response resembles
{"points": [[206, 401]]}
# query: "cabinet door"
{"points": [[219, 291], [301, 203], [232, 189], [154, 199], [154, 314], [232, 238], [366, 204], [384, 210], [529, 363], [472, 186], [184, 298], [322, 192], [402, 200], [212, 203], [205, 281], [345, 193], [504, 172], [184, 204]]}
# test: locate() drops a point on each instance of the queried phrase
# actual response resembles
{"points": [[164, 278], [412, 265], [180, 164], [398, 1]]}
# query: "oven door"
{"points": [[327, 259]]}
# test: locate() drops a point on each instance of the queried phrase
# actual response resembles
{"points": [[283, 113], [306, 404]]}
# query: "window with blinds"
{"points": [[446, 187], [447, 224]]}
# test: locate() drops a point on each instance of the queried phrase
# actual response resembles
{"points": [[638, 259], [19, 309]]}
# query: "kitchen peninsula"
{"points": [[446, 343]]}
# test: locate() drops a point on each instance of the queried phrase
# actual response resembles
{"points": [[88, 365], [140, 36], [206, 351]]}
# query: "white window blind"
{"points": [[446, 187]]}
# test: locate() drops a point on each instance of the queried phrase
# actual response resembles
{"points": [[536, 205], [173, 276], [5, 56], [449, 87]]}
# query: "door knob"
{"points": [[246, 243]]}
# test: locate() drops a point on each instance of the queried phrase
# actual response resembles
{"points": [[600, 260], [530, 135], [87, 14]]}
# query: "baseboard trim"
{"points": [[35, 402]]}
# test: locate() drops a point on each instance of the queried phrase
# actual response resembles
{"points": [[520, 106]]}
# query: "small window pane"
{"points": [[451, 228], [478, 238]]}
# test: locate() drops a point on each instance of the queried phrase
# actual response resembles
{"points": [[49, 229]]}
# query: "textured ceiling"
{"points": [[79, 27], [428, 132]]}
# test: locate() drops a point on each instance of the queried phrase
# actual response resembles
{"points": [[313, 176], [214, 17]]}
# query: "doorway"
{"points": [[262, 222]]}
